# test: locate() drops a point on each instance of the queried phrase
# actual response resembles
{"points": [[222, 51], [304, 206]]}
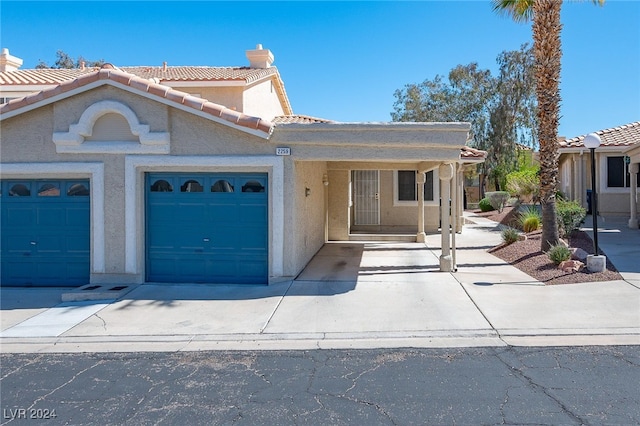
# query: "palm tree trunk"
{"points": [[548, 54]]}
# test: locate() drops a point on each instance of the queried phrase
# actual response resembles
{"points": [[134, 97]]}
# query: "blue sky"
{"points": [[344, 60]]}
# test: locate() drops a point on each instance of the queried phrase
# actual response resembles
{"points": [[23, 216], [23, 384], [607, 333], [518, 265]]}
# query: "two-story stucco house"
{"points": [[202, 175]]}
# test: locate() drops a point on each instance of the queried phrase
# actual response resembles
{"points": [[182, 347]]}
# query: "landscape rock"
{"points": [[522, 237], [571, 266], [578, 254]]}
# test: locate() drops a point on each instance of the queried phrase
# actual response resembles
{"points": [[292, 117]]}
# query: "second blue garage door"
{"points": [[207, 228]]}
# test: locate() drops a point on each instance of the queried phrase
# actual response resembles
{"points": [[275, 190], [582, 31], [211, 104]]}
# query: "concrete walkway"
{"points": [[351, 295]]}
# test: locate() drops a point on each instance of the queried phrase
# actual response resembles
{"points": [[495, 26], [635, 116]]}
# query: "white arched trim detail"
{"points": [[73, 141], [94, 172]]}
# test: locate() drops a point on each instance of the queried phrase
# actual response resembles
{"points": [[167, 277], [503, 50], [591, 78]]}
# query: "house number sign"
{"points": [[283, 151]]}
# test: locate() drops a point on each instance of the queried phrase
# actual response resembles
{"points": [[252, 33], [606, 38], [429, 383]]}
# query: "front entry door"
{"points": [[366, 197]]}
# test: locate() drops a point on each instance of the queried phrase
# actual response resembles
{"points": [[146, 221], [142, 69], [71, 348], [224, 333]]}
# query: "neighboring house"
{"points": [[140, 174], [617, 177]]}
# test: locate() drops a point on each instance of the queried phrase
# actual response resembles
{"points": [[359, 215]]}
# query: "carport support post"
{"points": [[633, 171], [446, 173], [420, 179]]}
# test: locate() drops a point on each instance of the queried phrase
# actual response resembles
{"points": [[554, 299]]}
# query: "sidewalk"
{"points": [[351, 295]]}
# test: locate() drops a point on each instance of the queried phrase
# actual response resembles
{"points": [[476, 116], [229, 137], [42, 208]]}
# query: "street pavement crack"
{"points": [[48, 394], [518, 372]]}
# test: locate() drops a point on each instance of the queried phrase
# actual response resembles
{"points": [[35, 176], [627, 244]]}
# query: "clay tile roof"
{"points": [[621, 136], [299, 119], [466, 152], [191, 73], [146, 86], [42, 76], [159, 74], [168, 74]]}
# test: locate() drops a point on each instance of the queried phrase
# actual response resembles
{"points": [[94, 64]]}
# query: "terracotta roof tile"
{"points": [[158, 89], [194, 102], [170, 74], [299, 119], [472, 153], [144, 85], [212, 109], [621, 136], [139, 83]]}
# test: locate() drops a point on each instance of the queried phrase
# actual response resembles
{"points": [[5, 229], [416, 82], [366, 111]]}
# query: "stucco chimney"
{"points": [[9, 62], [259, 58]]}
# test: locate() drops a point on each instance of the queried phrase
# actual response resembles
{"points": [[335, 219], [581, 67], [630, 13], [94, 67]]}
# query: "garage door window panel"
{"points": [[77, 190], [222, 185], [20, 190], [161, 185], [253, 186], [49, 189], [191, 185]]}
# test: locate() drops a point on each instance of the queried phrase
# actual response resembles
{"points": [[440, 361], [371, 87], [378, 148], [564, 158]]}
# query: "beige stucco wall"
{"points": [[261, 100], [393, 217], [192, 135], [231, 96], [339, 220], [307, 226], [403, 216]]}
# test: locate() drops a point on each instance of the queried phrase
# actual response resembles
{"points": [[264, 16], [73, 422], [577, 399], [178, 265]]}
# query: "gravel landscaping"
{"points": [[526, 255]]}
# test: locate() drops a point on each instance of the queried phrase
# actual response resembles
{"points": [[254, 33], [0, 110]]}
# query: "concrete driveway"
{"points": [[351, 295]]}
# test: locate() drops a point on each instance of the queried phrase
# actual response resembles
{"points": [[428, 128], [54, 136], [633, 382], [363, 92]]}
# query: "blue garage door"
{"points": [[207, 228], [45, 232]]}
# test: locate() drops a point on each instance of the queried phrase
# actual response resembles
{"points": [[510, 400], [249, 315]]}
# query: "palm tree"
{"points": [[547, 53]]}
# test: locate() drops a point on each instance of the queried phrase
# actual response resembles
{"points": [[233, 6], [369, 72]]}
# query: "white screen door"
{"points": [[366, 200]]}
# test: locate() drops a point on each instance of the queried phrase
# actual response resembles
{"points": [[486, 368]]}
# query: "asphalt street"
{"points": [[501, 385]]}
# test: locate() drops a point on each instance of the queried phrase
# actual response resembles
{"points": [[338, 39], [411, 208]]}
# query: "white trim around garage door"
{"points": [[137, 165], [71, 170]]}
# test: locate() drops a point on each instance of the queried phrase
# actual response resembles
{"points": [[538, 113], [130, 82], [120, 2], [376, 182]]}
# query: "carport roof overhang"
{"points": [[396, 142], [633, 152]]}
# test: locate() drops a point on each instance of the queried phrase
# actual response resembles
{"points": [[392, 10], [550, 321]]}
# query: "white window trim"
{"points": [[402, 203], [603, 175], [94, 172], [136, 166], [73, 141]]}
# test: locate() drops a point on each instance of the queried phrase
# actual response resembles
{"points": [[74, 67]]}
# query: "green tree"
{"points": [[547, 53], [512, 118], [500, 109], [64, 60]]}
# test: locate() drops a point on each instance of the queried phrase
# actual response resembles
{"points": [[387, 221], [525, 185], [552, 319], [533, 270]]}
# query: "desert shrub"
{"points": [[523, 183], [530, 219], [498, 199], [510, 235], [485, 205], [559, 253], [570, 215]]}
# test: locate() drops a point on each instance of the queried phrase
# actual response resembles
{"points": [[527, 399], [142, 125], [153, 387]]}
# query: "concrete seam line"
{"points": [[266, 323], [479, 310]]}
